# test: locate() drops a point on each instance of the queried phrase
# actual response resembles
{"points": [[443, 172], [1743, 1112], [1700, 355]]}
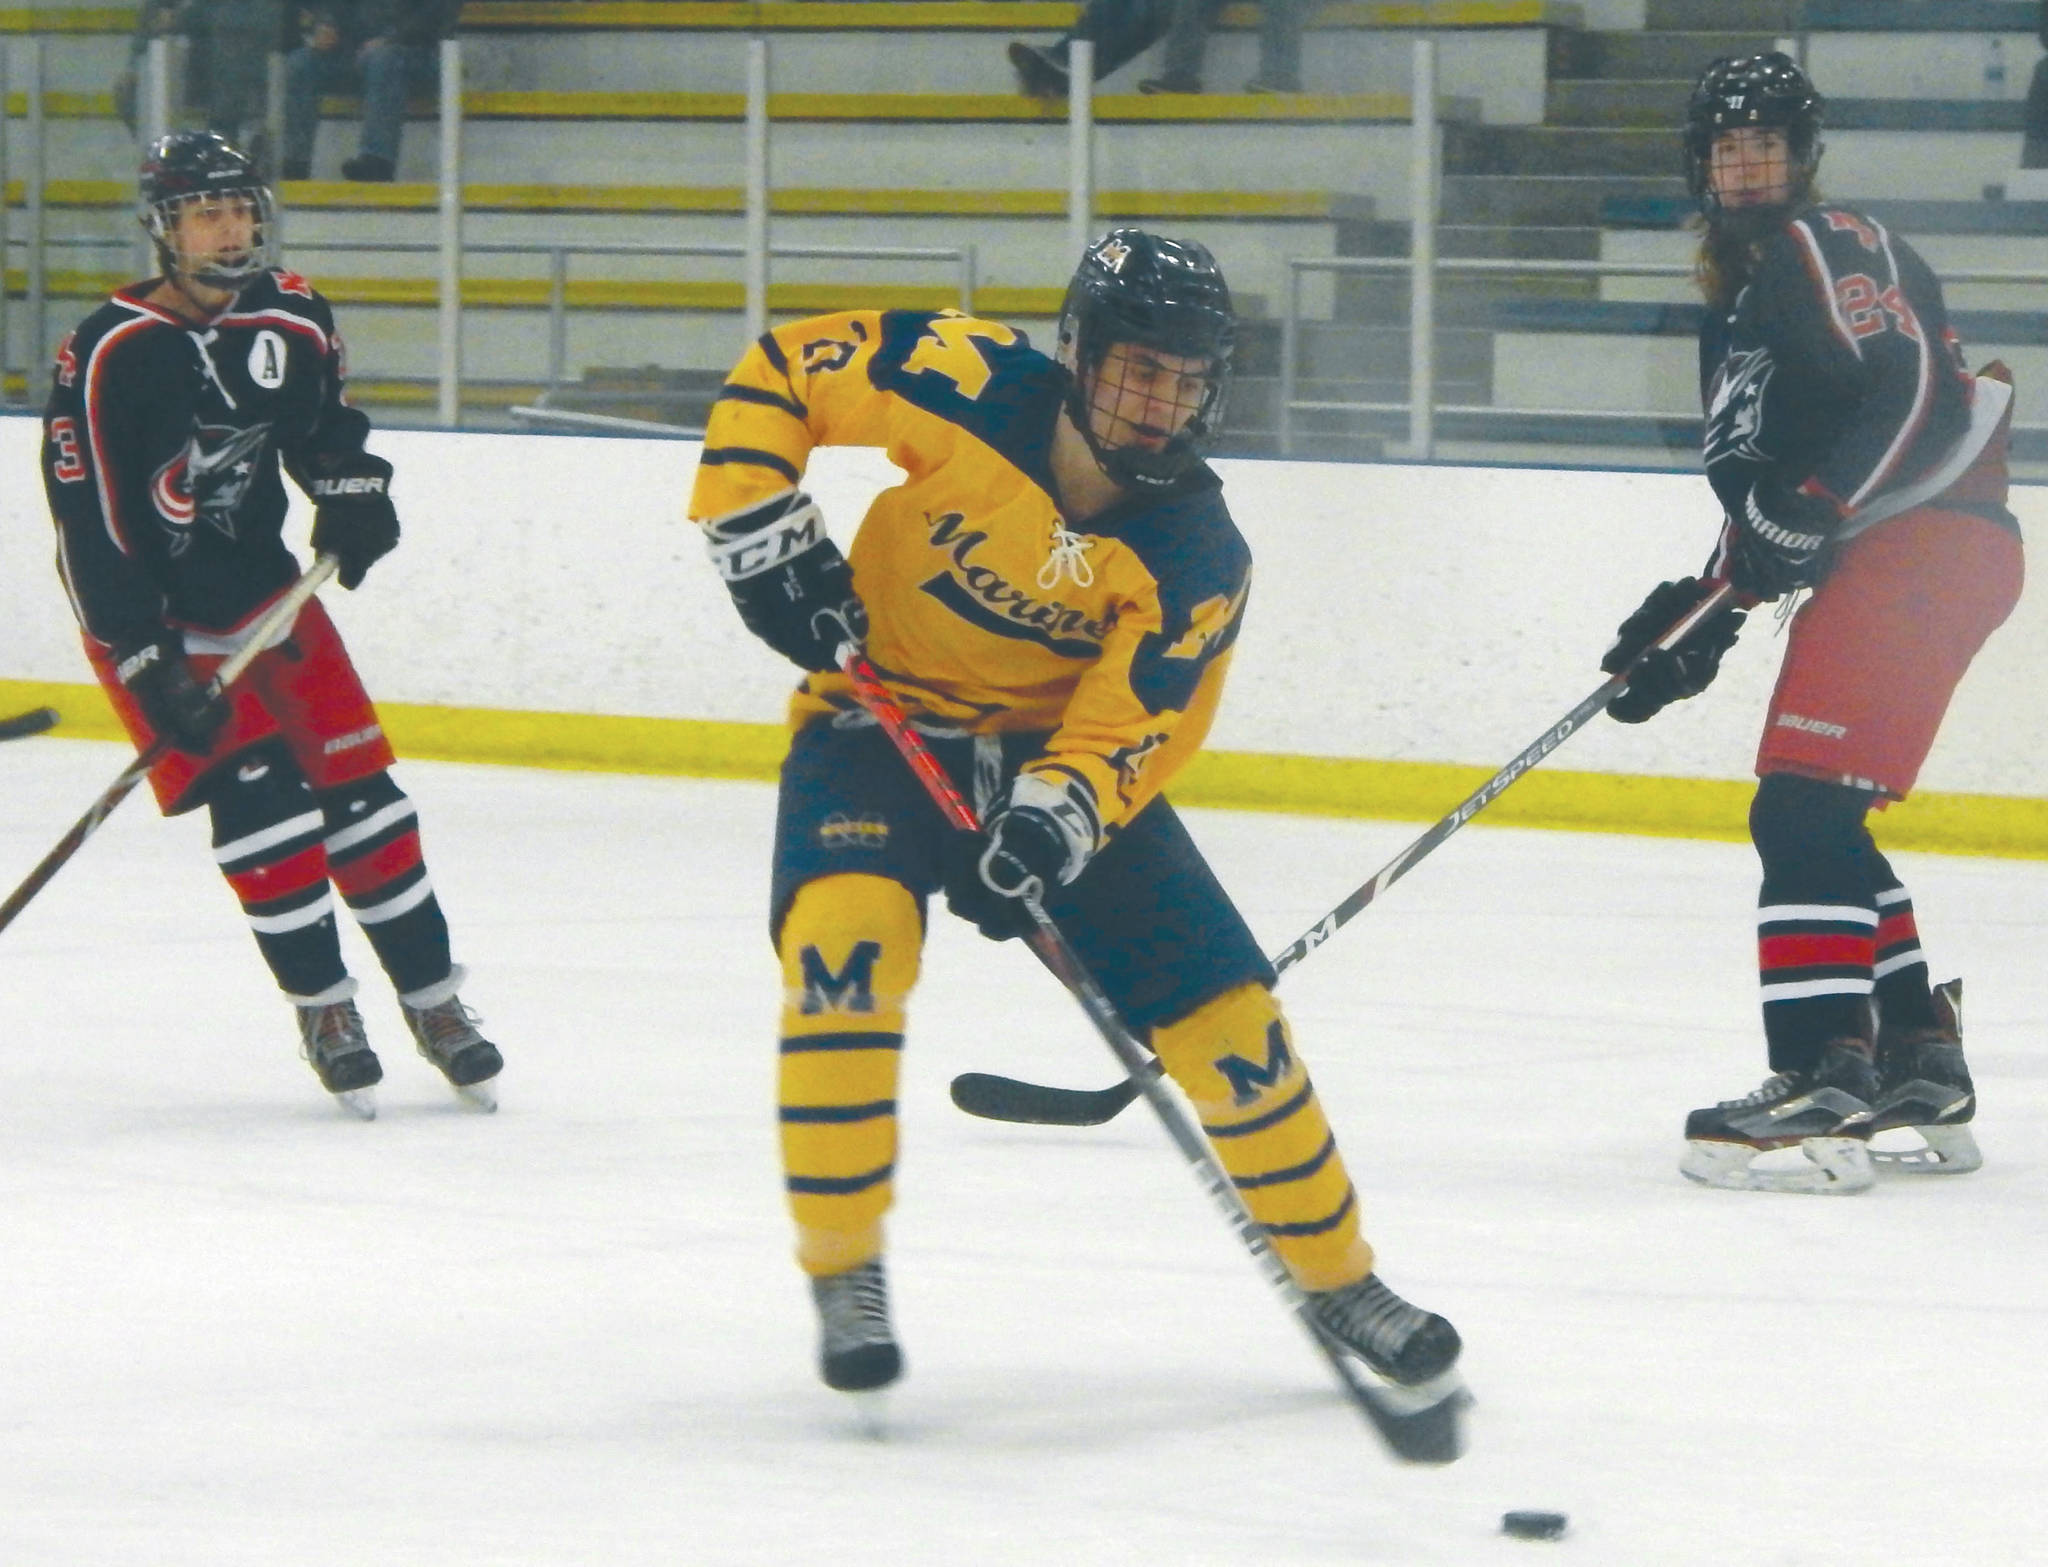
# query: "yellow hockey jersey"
{"points": [[987, 612]]}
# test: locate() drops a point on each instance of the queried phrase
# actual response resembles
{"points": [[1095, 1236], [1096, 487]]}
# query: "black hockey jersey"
{"points": [[161, 452], [1836, 371]]}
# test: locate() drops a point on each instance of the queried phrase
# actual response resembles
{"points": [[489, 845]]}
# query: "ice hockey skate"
{"points": [[445, 1031], [1925, 1089], [1403, 1344], [857, 1349], [1417, 1400], [1823, 1114], [332, 1040]]}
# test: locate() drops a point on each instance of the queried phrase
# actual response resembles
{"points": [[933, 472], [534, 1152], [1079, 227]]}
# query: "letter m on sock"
{"points": [[852, 989], [1247, 1078]]}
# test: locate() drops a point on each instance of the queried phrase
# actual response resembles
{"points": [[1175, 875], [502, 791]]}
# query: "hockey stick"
{"points": [[1419, 1425], [998, 1098], [22, 725], [281, 615]]}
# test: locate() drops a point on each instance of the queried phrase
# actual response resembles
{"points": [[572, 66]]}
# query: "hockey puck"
{"points": [[1533, 1526]]}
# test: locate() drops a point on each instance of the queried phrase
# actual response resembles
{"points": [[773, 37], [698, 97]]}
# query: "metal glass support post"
{"points": [[155, 108], [273, 114], [34, 367], [1290, 362], [1080, 148], [755, 263], [449, 409], [6, 213], [967, 280], [1423, 198], [558, 316]]}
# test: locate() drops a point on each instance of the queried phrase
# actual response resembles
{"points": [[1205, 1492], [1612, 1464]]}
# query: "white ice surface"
{"points": [[237, 1326]]}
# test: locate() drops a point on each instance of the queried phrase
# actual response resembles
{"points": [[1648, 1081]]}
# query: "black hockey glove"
{"points": [[185, 711], [353, 518], [793, 588], [1670, 674], [1041, 838], [1775, 544]]}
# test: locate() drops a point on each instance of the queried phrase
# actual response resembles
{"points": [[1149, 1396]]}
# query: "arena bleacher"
{"points": [[898, 123]]}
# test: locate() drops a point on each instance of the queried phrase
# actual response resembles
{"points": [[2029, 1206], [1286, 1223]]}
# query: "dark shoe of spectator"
{"points": [[1039, 75], [368, 166], [1260, 85], [295, 169], [1160, 84]]}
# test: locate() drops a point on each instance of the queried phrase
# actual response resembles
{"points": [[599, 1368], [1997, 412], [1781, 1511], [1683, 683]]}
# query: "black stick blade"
{"points": [[22, 725], [996, 1098], [1431, 1432]]}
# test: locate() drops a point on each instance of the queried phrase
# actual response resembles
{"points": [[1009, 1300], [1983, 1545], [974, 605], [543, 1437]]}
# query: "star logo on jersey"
{"points": [[208, 481], [1735, 410]]}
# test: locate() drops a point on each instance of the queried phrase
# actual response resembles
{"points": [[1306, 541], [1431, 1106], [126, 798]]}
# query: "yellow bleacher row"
{"points": [[858, 15], [351, 196], [1130, 108]]}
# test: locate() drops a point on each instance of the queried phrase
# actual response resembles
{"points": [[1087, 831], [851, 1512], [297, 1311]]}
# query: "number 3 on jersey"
{"points": [[948, 349], [70, 464]]}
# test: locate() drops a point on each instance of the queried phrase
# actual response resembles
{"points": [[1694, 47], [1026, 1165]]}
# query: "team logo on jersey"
{"points": [[983, 597], [208, 481], [839, 831], [267, 360], [1735, 411]]}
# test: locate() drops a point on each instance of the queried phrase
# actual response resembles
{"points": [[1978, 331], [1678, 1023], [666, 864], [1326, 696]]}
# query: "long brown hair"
{"points": [[1727, 251]]}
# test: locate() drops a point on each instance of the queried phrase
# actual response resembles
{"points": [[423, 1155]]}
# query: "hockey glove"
{"points": [[188, 713], [1041, 838], [1775, 544], [1669, 674], [791, 585], [353, 518]]}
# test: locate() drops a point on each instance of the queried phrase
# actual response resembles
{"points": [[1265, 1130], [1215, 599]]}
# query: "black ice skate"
{"points": [[1403, 1344], [445, 1031], [1823, 1114], [857, 1349], [1925, 1088], [332, 1040]]}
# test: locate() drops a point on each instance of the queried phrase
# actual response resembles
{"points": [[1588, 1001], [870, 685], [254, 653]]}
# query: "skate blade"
{"points": [[871, 1414], [480, 1096], [359, 1102], [1943, 1150], [1836, 1166]]}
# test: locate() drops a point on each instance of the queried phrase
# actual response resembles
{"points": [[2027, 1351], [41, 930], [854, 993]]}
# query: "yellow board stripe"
{"points": [[923, 16], [801, 201], [1979, 824]]}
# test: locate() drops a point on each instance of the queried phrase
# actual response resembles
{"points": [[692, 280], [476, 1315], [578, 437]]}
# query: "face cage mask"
{"points": [[159, 220], [1132, 466], [1755, 220]]}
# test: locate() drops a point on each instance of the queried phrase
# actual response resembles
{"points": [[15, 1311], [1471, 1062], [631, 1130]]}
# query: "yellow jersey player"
{"points": [[1052, 593]]}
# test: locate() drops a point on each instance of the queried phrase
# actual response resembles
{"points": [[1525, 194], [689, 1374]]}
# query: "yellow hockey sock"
{"points": [[1234, 1059], [850, 947]]}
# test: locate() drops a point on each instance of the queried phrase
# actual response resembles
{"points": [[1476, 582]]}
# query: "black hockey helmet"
{"points": [[1767, 91], [188, 165], [1141, 289]]}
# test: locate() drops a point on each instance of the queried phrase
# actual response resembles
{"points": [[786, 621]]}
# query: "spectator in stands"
{"points": [[2034, 150], [226, 68], [388, 48], [1123, 29]]}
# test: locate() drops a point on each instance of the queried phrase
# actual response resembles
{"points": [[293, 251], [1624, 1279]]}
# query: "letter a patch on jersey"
{"points": [[851, 989]]}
